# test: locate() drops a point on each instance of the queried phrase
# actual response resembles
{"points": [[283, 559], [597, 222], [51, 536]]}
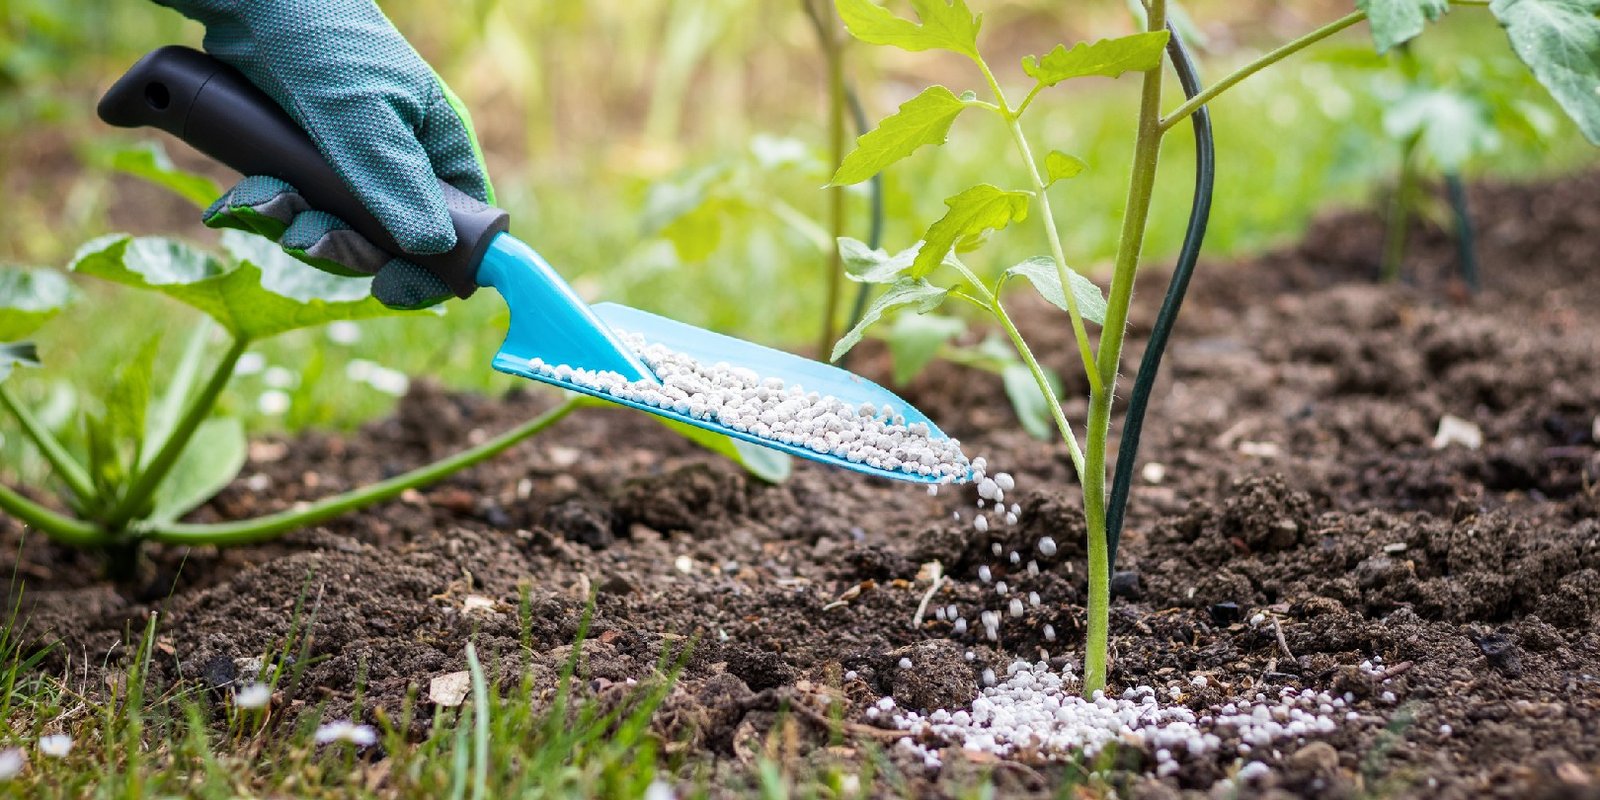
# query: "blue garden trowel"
{"points": [[216, 110]]}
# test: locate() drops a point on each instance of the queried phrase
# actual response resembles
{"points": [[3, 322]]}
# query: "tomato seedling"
{"points": [[1559, 40]]}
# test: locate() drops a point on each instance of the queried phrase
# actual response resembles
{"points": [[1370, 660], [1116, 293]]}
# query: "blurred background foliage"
{"points": [[669, 154]]}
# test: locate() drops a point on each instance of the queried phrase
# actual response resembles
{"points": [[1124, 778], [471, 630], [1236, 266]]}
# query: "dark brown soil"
{"points": [[1293, 427]]}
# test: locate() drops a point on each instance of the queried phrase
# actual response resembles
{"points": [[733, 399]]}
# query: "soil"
{"points": [[1300, 495]]}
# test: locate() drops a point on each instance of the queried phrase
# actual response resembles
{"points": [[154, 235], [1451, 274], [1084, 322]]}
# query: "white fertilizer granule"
{"points": [[767, 408]]}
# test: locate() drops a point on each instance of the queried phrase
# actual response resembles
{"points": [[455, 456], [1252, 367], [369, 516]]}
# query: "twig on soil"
{"points": [[1277, 630], [1395, 671], [922, 607]]}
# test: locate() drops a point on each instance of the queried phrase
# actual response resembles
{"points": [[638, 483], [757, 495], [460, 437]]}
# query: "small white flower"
{"points": [[660, 790], [11, 763], [255, 695], [273, 402], [56, 745], [346, 731], [389, 381], [344, 332]]}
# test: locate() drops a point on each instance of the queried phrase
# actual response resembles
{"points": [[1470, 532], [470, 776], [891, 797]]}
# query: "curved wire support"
{"points": [[1150, 364]]}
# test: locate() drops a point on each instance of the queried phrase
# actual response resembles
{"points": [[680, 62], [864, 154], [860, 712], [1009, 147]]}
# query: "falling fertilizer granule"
{"points": [[740, 399]]}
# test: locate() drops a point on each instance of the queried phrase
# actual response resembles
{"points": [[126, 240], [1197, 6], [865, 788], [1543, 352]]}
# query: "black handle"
{"points": [[217, 111]]}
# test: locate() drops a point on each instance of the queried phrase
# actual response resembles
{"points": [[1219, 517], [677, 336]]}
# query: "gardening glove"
{"points": [[380, 116]]}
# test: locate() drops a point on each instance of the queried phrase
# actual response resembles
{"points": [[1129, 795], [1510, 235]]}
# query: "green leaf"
{"points": [[1559, 40], [1041, 272], [1449, 127], [212, 459], [180, 383], [1396, 22], [863, 264], [1033, 411], [149, 161], [915, 292], [772, 466], [945, 25], [1139, 52], [14, 353], [29, 298], [263, 293], [972, 212], [1059, 166], [924, 119], [914, 340]]}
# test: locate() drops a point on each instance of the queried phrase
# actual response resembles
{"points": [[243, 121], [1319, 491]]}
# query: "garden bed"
{"points": [[1294, 520]]}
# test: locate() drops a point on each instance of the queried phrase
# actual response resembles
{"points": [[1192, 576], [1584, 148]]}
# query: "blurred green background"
{"points": [[668, 154]]}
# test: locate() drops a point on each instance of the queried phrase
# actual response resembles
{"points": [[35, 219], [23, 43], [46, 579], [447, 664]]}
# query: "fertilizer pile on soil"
{"points": [[739, 398]]}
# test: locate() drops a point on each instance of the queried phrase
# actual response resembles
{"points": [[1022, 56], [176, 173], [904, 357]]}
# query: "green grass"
{"points": [[132, 738]]}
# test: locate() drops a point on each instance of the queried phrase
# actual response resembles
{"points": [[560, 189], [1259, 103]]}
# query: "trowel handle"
{"points": [[217, 111]]}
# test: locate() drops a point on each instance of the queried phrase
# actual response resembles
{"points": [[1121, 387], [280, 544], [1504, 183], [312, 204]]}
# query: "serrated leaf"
{"points": [[1396, 22], [1559, 40], [915, 339], [982, 208], [1449, 127], [945, 25], [211, 460], [914, 292], [772, 466], [29, 298], [265, 293], [1059, 166], [1041, 272], [149, 161], [1139, 52], [1033, 411], [924, 119], [13, 354], [863, 264]]}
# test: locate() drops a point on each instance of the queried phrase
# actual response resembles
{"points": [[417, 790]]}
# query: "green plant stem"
{"points": [[255, 530], [827, 33], [1047, 217], [988, 301], [62, 528], [1141, 188], [1394, 237], [1045, 389], [1259, 64], [199, 409], [70, 471]]}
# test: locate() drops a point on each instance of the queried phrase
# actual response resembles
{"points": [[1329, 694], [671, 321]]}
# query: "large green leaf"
{"points": [[212, 459], [1396, 22], [1560, 41], [924, 119], [1041, 272], [945, 25], [149, 161], [28, 299], [972, 213], [772, 466], [1139, 52], [14, 353], [915, 339], [914, 292], [264, 292]]}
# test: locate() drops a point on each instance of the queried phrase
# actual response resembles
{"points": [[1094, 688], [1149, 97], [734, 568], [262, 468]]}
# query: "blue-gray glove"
{"points": [[381, 117]]}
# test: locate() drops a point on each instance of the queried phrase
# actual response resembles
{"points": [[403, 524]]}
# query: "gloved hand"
{"points": [[381, 117]]}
